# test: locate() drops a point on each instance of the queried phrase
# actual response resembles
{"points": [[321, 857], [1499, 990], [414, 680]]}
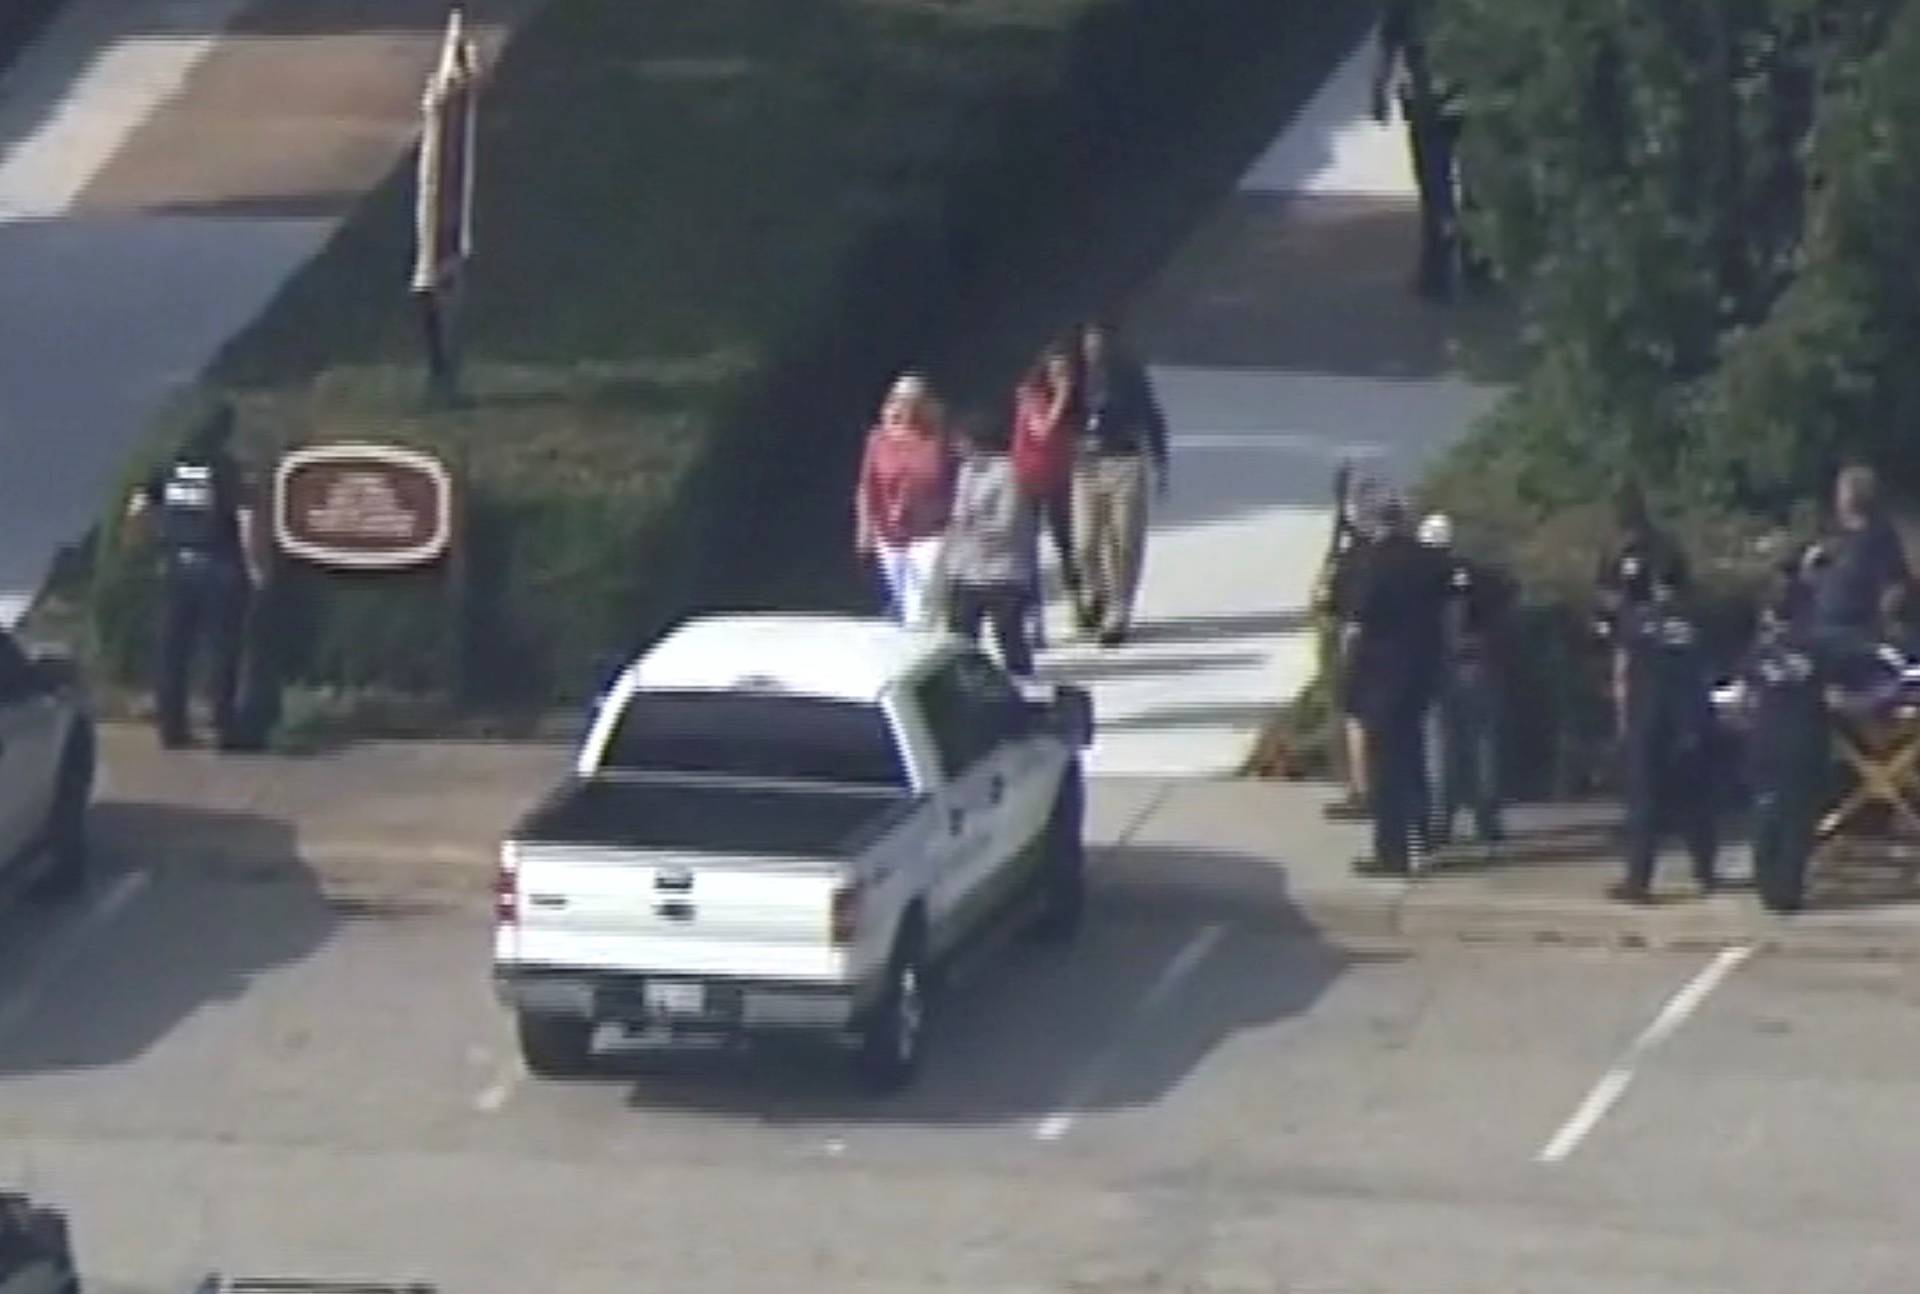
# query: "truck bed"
{"points": [[733, 820]]}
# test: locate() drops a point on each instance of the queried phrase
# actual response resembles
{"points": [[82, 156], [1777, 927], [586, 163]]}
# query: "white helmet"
{"points": [[1436, 530]]}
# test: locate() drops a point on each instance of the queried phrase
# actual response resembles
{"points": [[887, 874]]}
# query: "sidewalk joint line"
{"points": [[1161, 793]]}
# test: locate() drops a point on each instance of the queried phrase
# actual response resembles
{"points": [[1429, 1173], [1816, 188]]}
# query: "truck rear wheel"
{"points": [[894, 1034], [1062, 877], [556, 1046]]}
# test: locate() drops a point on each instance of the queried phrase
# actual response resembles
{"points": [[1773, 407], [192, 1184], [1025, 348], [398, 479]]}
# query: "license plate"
{"points": [[673, 997]]}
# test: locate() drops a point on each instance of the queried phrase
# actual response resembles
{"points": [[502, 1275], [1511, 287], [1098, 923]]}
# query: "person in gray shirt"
{"points": [[991, 547]]}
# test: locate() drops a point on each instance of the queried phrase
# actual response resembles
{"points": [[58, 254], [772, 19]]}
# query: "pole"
{"points": [[443, 208]]}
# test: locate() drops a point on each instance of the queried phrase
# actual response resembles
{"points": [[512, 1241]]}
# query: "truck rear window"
{"points": [[728, 734]]}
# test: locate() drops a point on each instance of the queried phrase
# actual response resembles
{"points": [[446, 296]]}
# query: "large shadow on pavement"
{"points": [[1182, 952], [187, 909]]}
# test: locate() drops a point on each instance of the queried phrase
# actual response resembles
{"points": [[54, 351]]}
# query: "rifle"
{"points": [[1343, 529]]}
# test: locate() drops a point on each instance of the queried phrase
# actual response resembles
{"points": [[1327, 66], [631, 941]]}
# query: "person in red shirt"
{"points": [[1043, 452], [904, 499]]}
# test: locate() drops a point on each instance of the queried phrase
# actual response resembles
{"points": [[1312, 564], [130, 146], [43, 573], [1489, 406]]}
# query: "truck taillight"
{"points": [[506, 887], [845, 920]]}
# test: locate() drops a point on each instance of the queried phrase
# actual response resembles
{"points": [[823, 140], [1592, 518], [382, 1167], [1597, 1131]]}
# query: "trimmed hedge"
{"points": [[709, 234]]}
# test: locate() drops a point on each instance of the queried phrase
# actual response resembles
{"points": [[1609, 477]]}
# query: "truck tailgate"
{"points": [[604, 908]]}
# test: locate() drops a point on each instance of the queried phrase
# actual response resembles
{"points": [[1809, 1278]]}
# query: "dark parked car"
{"points": [[46, 773], [36, 1255]]}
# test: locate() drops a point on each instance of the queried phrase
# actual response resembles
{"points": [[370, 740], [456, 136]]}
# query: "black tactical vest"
{"points": [[195, 513]]}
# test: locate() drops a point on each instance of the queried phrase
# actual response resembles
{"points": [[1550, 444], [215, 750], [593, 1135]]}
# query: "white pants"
{"points": [[911, 575]]}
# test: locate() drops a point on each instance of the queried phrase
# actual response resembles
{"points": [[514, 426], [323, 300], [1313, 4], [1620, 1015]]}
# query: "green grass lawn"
{"points": [[707, 232]]}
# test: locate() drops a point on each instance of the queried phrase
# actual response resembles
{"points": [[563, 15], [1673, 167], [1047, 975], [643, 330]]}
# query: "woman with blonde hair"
{"points": [[905, 497]]}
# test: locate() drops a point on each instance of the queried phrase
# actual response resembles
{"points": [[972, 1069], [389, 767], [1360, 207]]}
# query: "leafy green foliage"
{"points": [[1701, 208], [1707, 214]]}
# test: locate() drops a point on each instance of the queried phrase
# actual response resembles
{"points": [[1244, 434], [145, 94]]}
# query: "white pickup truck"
{"points": [[788, 822]]}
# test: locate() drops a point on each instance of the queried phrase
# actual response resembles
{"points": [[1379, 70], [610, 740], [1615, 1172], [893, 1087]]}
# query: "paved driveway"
{"points": [[240, 1067]]}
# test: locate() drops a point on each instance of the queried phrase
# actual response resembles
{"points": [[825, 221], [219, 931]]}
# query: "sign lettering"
{"points": [[363, 506]]}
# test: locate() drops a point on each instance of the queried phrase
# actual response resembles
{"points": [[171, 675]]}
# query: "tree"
{"points": [[1640, 176]]}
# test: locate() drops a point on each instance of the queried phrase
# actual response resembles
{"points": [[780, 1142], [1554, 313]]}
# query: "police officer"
{"points": [[1668, 736], [1624, 582], [1435, 113], [209, 565], [1397, 609], [1465, 729], [1789, 749]]}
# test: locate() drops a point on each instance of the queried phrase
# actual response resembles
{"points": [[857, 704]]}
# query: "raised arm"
{"points": [[863, 534]]}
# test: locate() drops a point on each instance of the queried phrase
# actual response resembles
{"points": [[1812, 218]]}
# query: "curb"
{"points": [[1387, 910], [1411, 913]]}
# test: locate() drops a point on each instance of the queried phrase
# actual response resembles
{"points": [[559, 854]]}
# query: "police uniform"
{"points": [[1398, 605], [1626, 574], [1788, 760], [1468, 711], [1668, 739], [1435, 114], [204, 587]]}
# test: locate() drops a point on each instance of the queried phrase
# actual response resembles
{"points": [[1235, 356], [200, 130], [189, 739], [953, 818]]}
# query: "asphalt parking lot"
{"points": [[236, 1068]]}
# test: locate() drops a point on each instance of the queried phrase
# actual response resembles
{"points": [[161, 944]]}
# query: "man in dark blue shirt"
{"points": [[1858, 573], [1122, 461]]}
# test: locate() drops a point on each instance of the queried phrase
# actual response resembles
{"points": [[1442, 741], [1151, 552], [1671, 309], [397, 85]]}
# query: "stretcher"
{"points": [[1882, 752]]}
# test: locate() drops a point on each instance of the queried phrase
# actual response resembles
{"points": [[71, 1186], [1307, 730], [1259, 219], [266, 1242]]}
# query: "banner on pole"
{"points": [[443, 211]]}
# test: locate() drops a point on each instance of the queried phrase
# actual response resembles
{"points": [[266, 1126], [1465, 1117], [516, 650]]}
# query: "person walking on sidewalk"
{"points": [[904, 498], [992, 544], [1434, 110], [210, 564], [1464, 733], [1669, 738], [1044, 408], [1122, 457], [1398, 610]]}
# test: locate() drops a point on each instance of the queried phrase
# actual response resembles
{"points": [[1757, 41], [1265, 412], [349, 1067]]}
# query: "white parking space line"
{"points": [[494, 1097], [1057, 1124], [64, 951], [1613, 1084]]}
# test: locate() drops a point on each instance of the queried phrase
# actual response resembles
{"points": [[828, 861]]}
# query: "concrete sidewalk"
{"points": [[1283, 338], [430, 816]]}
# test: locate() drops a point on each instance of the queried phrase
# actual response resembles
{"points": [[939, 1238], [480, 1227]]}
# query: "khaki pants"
{"points": [[1109, 536]]}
